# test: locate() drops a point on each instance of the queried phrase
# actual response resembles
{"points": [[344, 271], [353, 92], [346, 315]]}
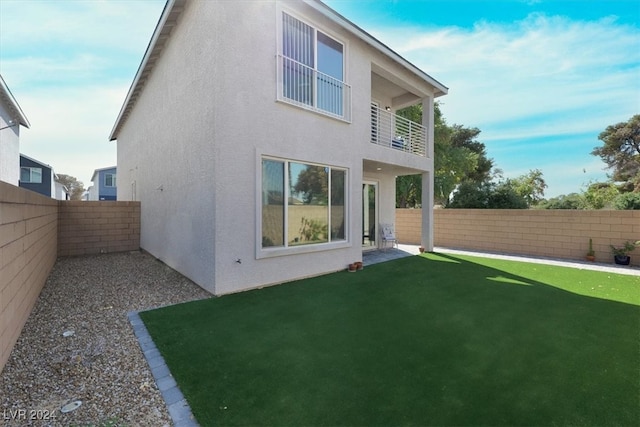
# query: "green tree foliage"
{"points": [[569, 201], [487, 195], [530, 186], [599, 195], [458, 157], [466, 138], [312, 185], [408, 191], [621, 152], [498, 193], [75, 187], [627, 201]]}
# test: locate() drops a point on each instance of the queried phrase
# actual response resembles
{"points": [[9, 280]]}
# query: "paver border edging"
{"points": [[177, 405]]}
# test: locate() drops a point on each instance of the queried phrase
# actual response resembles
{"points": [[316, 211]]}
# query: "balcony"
{"points": [[306, 87], [393, 131]]}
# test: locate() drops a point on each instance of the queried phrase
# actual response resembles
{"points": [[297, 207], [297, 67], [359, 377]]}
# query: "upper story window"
{"points": [[31, 175], [312, 69], [109, 179]]}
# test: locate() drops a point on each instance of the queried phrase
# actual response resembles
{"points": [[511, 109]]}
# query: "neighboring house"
{"points": [[238, 107], [11, 118], [61, 191], [41, 178], [104, 184]]}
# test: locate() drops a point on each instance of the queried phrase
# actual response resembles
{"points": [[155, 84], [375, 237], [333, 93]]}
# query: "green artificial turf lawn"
{"points": [[434, 339]]}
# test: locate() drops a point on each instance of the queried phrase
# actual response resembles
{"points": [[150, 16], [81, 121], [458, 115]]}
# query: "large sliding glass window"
{"points": [[312, 67], [315, 209]]}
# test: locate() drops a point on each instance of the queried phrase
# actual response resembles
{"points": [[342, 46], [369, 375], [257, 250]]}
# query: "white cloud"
{"points": [[545, 77], [498, 73], [70, 127], [69, 64]]}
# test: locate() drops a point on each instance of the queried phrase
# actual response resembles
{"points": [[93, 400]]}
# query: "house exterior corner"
{"points": [[246, 176]]}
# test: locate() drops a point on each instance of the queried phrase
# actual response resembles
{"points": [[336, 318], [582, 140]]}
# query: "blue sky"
{"points": [[540, 78]]}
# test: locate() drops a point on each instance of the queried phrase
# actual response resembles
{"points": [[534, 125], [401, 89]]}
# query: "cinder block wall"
{"points": [[28, 242], [86, 227], [550, 233]]}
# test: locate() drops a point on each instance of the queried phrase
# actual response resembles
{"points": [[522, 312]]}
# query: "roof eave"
{"points": [[6, 93], [154, 49], [334, 16]]}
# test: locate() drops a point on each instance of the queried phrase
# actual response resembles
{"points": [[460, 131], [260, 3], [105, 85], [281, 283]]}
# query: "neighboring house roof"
{"points": [[14, 108], [169, 18], [95, 172], [36, 161]]}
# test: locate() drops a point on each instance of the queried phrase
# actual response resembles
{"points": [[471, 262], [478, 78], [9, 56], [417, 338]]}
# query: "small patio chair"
{"points": [[387, 235]]}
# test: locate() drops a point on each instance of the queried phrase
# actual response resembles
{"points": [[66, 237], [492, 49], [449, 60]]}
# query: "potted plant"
{"points": [[352, 268], [591, 255], [621, 254]]}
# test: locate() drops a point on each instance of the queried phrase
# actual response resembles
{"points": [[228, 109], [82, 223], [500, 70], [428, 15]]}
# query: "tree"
{"points": [[75, 187], [600, 195], [408, 191], [499, 193], [458, 156], [312, 184], [462, 137], [626, 201], [530, 186], [621, 152], [568, 201]]}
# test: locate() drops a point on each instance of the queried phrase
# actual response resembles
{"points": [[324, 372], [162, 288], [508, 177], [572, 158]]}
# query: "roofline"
{"points": [[154, 49], [95, 171], [162, 33], [6, 93], [375, 43], [36, 161]]}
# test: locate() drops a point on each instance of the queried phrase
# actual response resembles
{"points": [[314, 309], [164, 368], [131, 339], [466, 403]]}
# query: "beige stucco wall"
{"points": [[547, 233], [28, 241], [190, 152]]}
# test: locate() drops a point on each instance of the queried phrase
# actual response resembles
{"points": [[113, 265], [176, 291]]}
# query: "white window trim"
{"points": [[271, 252], [113, 178], [31, 169], [280, 9]]}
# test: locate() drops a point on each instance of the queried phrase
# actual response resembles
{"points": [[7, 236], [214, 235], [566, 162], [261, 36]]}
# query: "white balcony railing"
{"points": [[307, 87], [391, 130]]}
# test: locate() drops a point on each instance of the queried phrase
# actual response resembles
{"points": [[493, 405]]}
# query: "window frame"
{"points": [[345, 115], [113, 180], [31, 170], [286, 249]]}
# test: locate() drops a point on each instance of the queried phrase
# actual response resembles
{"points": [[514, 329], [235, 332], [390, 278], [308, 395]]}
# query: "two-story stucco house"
{"points": [[261, 140], [11, 118], [104, 184]]}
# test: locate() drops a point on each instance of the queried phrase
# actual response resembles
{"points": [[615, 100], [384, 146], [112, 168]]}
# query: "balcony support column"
{"points": [[426, 239]]}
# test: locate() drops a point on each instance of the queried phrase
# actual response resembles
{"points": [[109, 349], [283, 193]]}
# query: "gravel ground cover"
{"points": [[100, 363]]}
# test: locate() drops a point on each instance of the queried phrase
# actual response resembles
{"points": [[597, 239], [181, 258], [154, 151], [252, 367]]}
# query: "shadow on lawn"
{"points": [[426, 340]]}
